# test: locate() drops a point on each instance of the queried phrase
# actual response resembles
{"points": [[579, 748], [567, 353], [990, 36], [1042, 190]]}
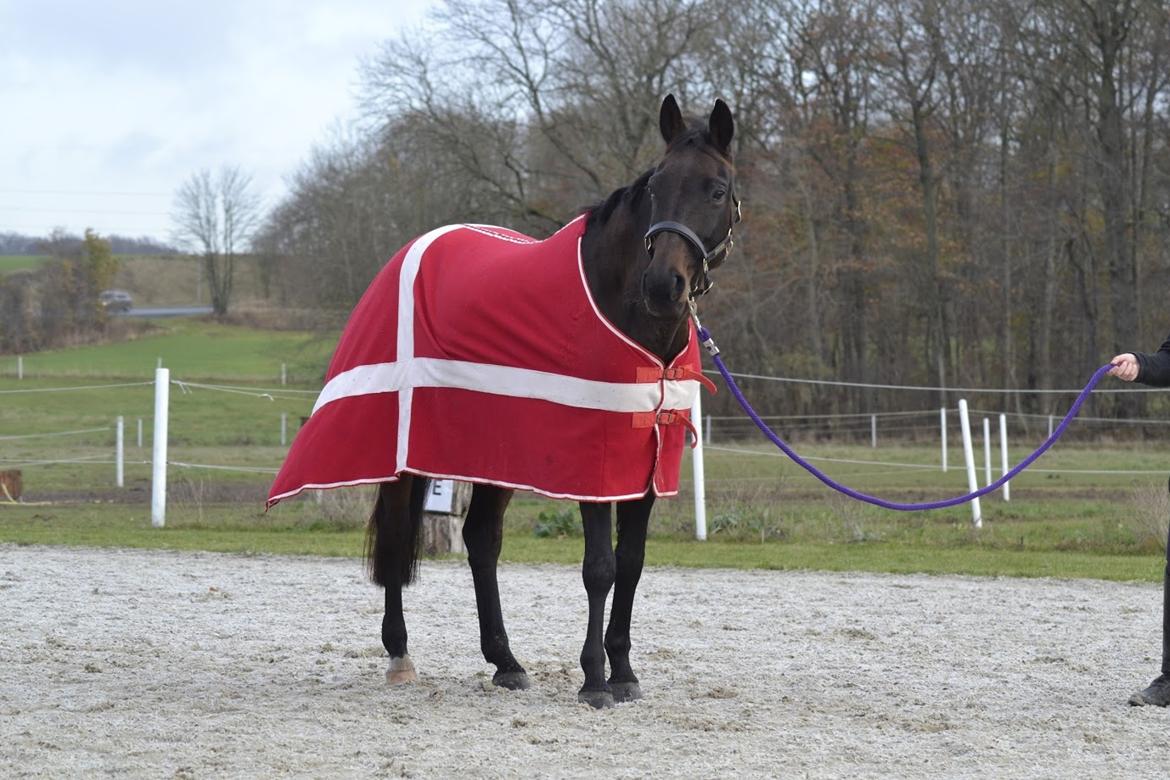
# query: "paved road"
{"points": [[168, 311]]}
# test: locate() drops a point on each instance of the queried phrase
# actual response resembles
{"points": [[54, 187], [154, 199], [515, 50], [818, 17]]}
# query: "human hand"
{"points": [[1125, 367]]}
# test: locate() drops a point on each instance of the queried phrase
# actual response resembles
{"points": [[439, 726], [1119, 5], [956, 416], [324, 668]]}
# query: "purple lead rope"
{"points": [[708, 342]]}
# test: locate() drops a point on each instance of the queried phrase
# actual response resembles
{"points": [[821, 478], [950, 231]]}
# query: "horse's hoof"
{"points": [[401, 671], [513, 681], [1158, 694], [598, 700], [625, 691]]}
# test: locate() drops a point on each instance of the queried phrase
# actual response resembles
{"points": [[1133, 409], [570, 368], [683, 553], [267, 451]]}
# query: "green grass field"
{"points": [[1065, 519], [193, 350], [304, 528], [12, 263]]}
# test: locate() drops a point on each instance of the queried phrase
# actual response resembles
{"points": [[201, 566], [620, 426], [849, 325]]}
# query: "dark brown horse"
{"points": [[645, 257]]}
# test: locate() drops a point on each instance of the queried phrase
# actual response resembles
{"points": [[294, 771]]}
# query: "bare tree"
{"points": [[903, 164], [216, 216], [542, 105]]}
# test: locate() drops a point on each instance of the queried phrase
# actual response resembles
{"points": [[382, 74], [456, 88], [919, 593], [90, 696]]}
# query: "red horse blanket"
{"points": [[478, 354]]}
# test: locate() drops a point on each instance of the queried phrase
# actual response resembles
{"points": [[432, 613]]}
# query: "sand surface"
{"points": [[159, 664]]}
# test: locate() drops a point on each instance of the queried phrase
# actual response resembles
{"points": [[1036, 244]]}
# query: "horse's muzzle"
{"points": [[664, 294]]}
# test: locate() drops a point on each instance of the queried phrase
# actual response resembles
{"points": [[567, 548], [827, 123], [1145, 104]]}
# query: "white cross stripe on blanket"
{"points": [[509, 381], [409, 372]]}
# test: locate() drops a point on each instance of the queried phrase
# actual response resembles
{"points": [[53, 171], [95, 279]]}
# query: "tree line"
{"points": [[952, 193], [59, 239], [958, 193], [57, 303]]}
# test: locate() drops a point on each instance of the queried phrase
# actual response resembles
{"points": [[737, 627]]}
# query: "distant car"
{"points": [[115, 300]]}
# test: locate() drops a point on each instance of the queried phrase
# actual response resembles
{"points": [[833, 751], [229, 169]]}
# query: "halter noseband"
{"points": [[724, 247]]}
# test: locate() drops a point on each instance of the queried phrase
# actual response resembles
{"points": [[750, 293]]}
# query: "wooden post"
{"points": [[10, 485], [442, 527]]}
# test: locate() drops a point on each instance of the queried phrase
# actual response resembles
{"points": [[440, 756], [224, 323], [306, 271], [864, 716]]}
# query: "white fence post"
{"points": [[139, 433], [283, 374], [873, 431], [708, 442], [942, 427], [119, 471], [969, 456], [283, 428], [697, 463], [987, 451], [1003, 455], [20, 366], [1050, 426], [158, 480]]}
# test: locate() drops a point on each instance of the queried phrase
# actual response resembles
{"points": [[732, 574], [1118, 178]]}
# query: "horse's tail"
{"points": [[394, 542]]}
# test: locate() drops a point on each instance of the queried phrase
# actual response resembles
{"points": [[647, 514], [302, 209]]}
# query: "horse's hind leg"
{"points": [[632, 520], [392, 551], [597, 571], [483, 533]]}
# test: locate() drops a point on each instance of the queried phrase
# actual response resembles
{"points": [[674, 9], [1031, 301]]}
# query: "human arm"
{"points": [[1147, 368], [1155, 367], [1125, 367]]}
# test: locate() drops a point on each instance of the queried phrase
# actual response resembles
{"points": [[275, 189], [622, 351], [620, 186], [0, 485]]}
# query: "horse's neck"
{"points": [[613, 256]]}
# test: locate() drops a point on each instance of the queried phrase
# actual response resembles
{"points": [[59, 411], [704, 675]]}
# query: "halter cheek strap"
{"points": [[724, 247]]}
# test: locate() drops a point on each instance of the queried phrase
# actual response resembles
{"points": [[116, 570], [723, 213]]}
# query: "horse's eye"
{"points": [[719, 195]]}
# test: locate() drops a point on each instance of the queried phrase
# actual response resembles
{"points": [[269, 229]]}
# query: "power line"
{"points": [[86, 211], [70, 389], [55, 433], [87, 192]]}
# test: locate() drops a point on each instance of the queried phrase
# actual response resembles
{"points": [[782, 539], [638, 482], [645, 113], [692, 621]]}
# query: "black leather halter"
{"points": [[703, 283]]}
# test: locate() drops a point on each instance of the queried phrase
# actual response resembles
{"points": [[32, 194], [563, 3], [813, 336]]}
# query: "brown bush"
{"points": [[1150, 518]]}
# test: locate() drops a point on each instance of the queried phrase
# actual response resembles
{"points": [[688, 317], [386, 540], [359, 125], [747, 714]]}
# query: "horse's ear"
{"points": [[670, 120], [721, 126]]}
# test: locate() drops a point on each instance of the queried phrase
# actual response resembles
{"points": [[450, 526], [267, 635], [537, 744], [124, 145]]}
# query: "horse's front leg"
{"points": [[632, 520], [483, 533], [597, 570]]}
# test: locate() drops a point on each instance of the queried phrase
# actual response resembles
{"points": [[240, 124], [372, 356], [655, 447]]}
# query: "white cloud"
{"points": [[116, 103]]}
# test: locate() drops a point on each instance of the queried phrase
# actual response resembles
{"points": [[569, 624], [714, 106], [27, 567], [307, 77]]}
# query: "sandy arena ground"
{"points": [[156, 664]]}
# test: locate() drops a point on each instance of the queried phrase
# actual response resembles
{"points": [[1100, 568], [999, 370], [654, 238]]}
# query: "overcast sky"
{"points": [[106, 107]]}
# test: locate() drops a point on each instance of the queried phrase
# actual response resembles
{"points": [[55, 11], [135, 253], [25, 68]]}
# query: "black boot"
{"points": [[1158, 692]]}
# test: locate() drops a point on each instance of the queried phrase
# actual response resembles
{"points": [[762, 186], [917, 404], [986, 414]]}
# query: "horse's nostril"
{"points": [[664, 289]]}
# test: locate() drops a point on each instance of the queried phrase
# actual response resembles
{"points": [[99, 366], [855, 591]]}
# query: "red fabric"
{"points": [[487, 301]]}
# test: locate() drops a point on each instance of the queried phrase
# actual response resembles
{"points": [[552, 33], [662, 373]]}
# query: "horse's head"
{"points": [[693, 208]]}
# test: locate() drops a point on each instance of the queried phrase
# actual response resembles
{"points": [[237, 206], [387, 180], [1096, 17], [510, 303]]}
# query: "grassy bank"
{"points": [[10, 264], [305, 529], [193, 350], [1083, 511]]}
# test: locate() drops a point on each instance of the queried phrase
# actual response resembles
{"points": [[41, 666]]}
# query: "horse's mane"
{"points": [[600, 212]]}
